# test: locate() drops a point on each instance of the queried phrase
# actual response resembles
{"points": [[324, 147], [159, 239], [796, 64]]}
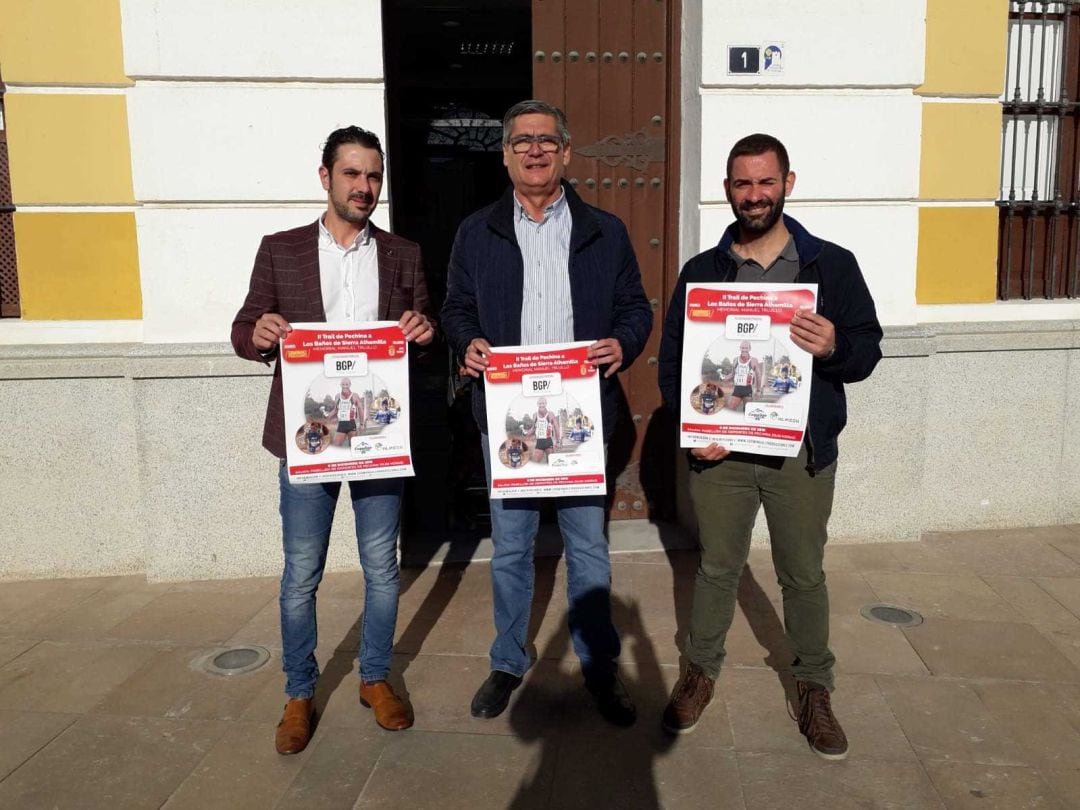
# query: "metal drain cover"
{"points": [[891, 614], [233, 660]]}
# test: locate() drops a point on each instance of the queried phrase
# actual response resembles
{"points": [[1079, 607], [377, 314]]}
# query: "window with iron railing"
{"points": [[9, 277], [1039, 201]]}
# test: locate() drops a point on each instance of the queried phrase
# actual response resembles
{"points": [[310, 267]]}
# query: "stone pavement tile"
{"points": [[1065, 784], [945, 596], [864, 557], [968, 649], [785, 780], [59, 676], [94, 616], [1044, 719], [964, 785], [756, 637], [27, 603], [849, 592], [169, 685], [459, 772], [193, 615], [336, 770], [997, 552], [1033, 601], [12, 648], [111, 762], [441, 688], [658, 609], [946, 720], [1068, 543], [1065, 590], [459, 630], [1066, 640], [861, 645], [242, 770], [264, 628], [23, 734], [757, 705], [632, 775]]}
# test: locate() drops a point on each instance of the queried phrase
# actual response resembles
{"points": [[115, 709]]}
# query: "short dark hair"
{"points": [[759, 144], [351, 134], [535, 106]]}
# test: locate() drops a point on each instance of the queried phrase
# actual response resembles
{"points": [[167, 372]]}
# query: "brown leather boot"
{"points": [[818, 723], [294, 730], [390, 712], [691, 695]]}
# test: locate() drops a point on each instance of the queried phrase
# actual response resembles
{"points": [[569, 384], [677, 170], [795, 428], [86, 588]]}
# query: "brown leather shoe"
{"points": [[390, 712], [294, 730], [818, 723], [688, 700]]}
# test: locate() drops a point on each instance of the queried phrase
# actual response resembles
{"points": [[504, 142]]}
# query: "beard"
{"points": [[762, 221], [342, 209]]}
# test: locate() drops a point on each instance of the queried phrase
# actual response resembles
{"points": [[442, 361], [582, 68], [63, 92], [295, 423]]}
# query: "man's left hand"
{"points": [[417, 328], [813, 333], [606, 352]]}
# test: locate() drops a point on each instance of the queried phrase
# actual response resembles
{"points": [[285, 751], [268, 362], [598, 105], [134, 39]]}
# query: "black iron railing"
{"points": [[1039, 202]]}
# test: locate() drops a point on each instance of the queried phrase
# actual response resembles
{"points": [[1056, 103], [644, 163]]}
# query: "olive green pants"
{"points": [[797, 506]]}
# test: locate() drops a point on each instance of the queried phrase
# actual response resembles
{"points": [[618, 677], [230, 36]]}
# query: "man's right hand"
{"points": [[270, 328], [713, 452], [476, 357]]}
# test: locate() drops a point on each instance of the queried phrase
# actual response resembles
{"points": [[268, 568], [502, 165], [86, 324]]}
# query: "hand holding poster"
{"points": [[346, 396], [544, 422], [745, 384]]}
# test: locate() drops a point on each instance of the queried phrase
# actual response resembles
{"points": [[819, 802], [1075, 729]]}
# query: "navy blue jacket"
{"points": [[842, 298], [486, 279]]}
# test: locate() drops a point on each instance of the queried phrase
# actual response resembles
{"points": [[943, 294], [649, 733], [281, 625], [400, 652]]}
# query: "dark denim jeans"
{"points": [[514, 523], [307, 512]]}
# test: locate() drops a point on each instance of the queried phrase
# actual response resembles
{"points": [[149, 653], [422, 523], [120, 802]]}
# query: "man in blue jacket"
{"points": [[540, 266], [843, 336]]}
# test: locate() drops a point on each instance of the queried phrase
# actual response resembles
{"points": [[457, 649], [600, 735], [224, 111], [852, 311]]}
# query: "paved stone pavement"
{"points": [[979, 706]]}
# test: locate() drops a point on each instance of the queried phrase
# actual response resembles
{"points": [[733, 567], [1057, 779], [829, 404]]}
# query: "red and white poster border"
{"points": [[744, 384], [545, 429], [346, 398]]}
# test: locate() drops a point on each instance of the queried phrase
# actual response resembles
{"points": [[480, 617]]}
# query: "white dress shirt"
{"points": [[349, 277], [547, 310]]}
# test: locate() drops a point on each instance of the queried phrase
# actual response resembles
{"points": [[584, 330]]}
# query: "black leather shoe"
{"points": [[494, 693], [613, 701]]}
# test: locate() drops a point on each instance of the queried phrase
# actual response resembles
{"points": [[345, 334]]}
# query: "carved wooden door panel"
{"points": [[607, 64]]}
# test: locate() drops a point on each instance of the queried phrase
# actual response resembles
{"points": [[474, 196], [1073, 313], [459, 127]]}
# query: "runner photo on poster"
{"points": [[544, 422], [745, 384], [346, 396]]}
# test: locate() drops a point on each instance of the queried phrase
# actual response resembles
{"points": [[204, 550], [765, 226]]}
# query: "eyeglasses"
{"points": [[523, 143]]}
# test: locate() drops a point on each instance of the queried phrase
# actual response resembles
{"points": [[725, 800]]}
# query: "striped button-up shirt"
{"points": [[547, 312]]}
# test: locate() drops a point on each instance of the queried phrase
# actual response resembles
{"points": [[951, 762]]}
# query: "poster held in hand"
{"points": [[545, 431], [346, 397], [745, 385]]}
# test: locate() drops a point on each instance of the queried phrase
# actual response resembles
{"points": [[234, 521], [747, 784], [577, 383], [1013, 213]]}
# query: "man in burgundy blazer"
{"points": [[330, 270]]}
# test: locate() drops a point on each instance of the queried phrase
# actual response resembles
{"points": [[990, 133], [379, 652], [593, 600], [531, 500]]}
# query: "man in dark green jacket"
{"points": [[764, 245]]}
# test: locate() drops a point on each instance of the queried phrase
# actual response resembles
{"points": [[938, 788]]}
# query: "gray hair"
{"points": [[533, 107]]}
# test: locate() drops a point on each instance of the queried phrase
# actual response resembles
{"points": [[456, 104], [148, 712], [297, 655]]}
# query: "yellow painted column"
{"points": [[71, 149], [966, 44]]}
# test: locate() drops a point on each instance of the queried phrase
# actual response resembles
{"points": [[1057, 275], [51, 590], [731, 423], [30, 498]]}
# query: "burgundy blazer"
{"points": [[285, 280]]}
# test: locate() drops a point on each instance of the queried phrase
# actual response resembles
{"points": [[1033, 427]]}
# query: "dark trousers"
{"points": [[797, 506]]}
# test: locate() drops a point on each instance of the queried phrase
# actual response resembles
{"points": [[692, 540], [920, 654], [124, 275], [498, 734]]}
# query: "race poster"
{"points": [[546, 438], [745, 384], [346, 396]]}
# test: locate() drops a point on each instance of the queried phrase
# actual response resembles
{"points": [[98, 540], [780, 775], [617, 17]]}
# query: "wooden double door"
{"points": [[612, 66]]}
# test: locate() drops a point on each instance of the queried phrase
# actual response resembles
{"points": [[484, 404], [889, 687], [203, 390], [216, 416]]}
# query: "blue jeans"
{"points": [[514, 523], [307, 512]]}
